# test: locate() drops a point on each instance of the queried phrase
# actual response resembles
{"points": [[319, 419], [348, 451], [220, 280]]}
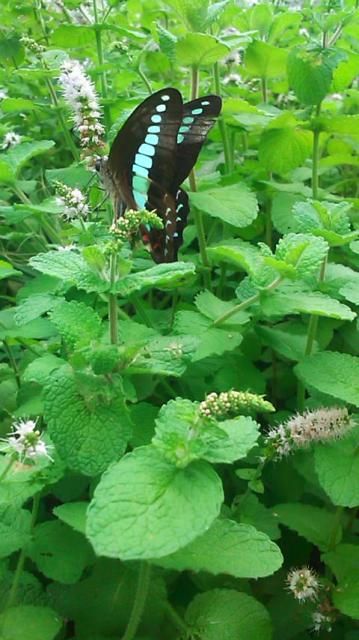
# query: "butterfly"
{"points": [[152, 154]]}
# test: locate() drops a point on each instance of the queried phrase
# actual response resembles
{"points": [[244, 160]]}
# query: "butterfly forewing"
{"points": [[144, 151], [198, 117]]}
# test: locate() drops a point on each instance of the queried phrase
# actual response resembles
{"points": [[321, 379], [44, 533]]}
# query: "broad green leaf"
{"points": [[71, 268], [242, 435], [235, 615], [27, 622], [36, 329], [265, 60], [68, 36], [287, 339], [234, 204], [299, 255], [19, 155], [77, 323], [332, 373], [346, 598], [343, 561], [7, 174], [200, 49], [313, 523], [212, 307], [287, 300], [60, 553], [165, 355], [162, 276], [261, 19], [283, 149], [309, 75], [20, 105], [344, 124], [14, 529], [194, 13], [73, 514], [33, 307], [251, 511], [89, 429], [210, 340], [41, 368], [337, 467], [7, 270], [242, 255], [235, 549], [162, 511]]}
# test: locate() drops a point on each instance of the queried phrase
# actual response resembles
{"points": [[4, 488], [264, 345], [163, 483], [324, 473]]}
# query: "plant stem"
{"points": [[222, 125], [176, 619], [22, 557], [12, 361], [139, 602], [7, 468], [112, 302], [194, 82], [103, 80], [315, 159], [246, 303], [264, 89]]}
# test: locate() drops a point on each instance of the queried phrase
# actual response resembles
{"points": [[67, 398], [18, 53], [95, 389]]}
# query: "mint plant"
{"points": [[179, 441]]}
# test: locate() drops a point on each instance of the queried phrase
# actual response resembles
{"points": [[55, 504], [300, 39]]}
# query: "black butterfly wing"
{"points": [[143, 153], [198, 118], [164, 243]]}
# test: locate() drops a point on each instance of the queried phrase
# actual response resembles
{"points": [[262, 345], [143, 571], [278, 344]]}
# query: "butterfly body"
{"points": [[151, 156]]}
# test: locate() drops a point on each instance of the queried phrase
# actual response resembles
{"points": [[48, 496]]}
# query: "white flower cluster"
{"points": [[303, 584], [80, 94], [11, 139], [313, 426], [73, 201], [322, 622], [25, 440]]}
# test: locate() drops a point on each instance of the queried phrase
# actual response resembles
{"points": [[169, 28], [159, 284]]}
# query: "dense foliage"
{"points": [[179, 441]]}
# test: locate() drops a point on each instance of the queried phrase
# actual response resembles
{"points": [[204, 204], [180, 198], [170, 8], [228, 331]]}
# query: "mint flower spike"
{"points": [[25, 441], [301, 430], [11, 139], [303, 584], [72, 200], [80, 94], [222, 405], [126, 227]]}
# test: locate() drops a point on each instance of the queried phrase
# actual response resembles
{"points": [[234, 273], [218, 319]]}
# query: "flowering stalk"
{"points": [[73, 201], [303, 584], [303, 429], [222, 405], [80, 94], [24, 442], [98, 35]]}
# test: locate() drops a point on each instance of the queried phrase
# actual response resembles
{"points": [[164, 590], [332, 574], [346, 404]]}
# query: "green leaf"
{"points": [[210, 340], [343, 561], [313, 523], [288, 299], [212, 307], [335, 374], [346, 598], [251, 511], [163, 276], [76, 322], [71, 268], [20, 154], [13, 105], [14, 529], [200, 49], [310, 75], [28, 622], [283, 149], [238, 550], [165, 355], [41, 368], [242, 435], [337, 467], [89, 429], [73, 514], [162, 511], [238, 616], [33, 307], [60, 553], [6, 172], [73, 35], [301, 253], [7, 270], [233, 203], [289, 339], [265, 60]]}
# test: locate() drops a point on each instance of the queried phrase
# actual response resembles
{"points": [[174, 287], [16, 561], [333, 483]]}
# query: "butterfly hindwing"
{"points": [[164, 243], [144, 150], [198, 117]]}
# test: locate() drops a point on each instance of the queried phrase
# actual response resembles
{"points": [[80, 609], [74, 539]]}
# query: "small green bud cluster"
{"points": [[128, 225], [301, 430], [32, 45], [221, 405]]}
